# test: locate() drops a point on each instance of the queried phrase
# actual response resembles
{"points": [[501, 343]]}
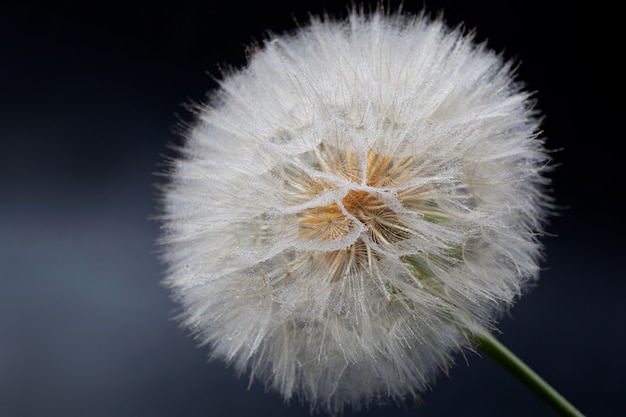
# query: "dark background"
{"points": [[90, 94]]}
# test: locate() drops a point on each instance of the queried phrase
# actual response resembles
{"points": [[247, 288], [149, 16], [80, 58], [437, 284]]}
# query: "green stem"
{"points": [[505, 358]]}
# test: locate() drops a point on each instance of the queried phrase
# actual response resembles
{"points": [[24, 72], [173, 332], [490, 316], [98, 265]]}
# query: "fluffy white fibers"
{"points": [[352, 204]]}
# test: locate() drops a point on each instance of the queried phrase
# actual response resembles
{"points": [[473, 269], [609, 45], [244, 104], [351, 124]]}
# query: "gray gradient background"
{"points": [[89, 93]]}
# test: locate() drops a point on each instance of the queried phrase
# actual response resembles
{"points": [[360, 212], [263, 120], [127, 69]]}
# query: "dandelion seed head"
{"points": [[348, 204]]}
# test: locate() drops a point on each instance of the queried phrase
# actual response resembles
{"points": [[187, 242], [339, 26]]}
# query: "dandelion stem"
{"points": [[507, 359]]}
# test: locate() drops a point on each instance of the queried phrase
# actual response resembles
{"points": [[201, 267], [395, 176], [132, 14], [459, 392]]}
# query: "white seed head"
{"points": [[351, 203]]}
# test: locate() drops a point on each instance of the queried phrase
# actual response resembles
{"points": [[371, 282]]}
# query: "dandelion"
{"points": [[354, 205]]}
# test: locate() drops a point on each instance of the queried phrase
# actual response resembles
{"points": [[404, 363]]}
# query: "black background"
{"points": [[90, 94]]}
